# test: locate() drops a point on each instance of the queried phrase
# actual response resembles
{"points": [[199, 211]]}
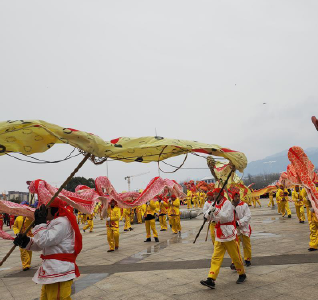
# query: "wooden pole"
{"points": [[48, 204]]}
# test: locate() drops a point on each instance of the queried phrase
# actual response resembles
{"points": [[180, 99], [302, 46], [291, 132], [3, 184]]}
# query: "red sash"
{"points": [[219, 230], [70, 257]]}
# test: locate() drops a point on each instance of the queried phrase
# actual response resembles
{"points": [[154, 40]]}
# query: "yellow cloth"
{"points": [[233, 250], [174, 207], [271, 200], [139, 214], [151, 208], [175, 223], [163, 222], [189, 199], [151, 224], [303, 193], [127, 216], [163, 209], [299, 205], [256, 200], [247, 248], [113, 227], [90, 225], [313, 227], [58, 290], [35, 136], [26, 256]]}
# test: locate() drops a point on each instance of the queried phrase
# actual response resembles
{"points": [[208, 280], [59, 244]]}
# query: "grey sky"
{"points": [[197, 70]]}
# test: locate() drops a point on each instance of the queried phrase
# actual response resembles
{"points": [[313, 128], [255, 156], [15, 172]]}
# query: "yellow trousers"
{"points": [[189, 204], [151, 224], [113, 237], [163, 221], [271, 202], [175, 223], [313, 227], [233, 250], [256, 201], [278, 207], [58, 290], [90, 225], [212, 225], [300, 212], [127, 223], [308, 214], [247, 248], [284, 207], [139, 217], [26, 257], [132, 216]]}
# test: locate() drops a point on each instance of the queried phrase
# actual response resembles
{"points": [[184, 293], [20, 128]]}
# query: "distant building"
{"points": [[208, 179], [18, 197]]}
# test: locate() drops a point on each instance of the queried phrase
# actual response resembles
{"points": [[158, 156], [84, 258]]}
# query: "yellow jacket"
{"points": [[157, 207], [163, 208], [114, 215], [303, 194], [18, 224], [127, 212], [280, 195], [297, 198], [271, 195], [151, 208], [174, 208]]}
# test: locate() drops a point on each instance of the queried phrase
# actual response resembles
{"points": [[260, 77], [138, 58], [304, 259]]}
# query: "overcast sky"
{"points": [[197, 70]]}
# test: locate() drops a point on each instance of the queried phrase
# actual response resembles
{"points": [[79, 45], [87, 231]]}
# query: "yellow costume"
{"points": [[256, 200], [113, 227], [127, 216], [189, 199], [202, 199], [313, 226], [303, 194], [26, 256], [58, 290], [139, 214], [163, 210], [150, 220], [299, 205], [271, 199], [90, 223], [174, 210]]}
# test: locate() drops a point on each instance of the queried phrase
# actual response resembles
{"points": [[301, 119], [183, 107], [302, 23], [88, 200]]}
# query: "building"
{"points": [[18, 197], [208, 179]]}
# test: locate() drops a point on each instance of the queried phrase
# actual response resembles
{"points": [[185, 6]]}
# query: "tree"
{"points": [[75, 181]]}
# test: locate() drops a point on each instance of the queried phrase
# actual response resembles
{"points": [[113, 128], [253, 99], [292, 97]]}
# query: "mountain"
{"points": [[277, 163]]}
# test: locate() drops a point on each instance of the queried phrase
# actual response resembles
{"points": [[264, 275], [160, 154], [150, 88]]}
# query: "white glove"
{"points": [[108, 219]]}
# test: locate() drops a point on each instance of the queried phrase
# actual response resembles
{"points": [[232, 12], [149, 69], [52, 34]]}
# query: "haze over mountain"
{"points": [[277, 163]]}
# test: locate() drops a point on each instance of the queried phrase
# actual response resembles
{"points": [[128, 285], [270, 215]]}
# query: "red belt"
{"points": [[70, 257], [218, 228]]}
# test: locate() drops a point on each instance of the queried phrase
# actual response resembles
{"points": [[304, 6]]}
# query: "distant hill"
{"points": [[277, 163]]}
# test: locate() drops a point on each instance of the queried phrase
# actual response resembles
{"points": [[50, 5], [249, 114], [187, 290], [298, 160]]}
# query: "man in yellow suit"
{"points": [[202, 198], [112, 224], [163, 210], [299, 205], [150, 221], [127, 215], [138, 214], [90, 223], [174, 209], [26, 256], [303, 194], [189, 199], [271, 199], [225, 239], [282, 197], [313, 226]]}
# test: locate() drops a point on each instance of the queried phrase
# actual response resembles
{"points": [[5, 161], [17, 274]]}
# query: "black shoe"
{"points": [[156, 240], [84, 230], [312, 249], [289, 216], [148, 240], [170, 226], [25, 269], [131, 229], [232, 267], [162, 229], [241, 279], [110, 250], [248, 263], [126, 229], [302, 222], [209, 283], [116, 248]]}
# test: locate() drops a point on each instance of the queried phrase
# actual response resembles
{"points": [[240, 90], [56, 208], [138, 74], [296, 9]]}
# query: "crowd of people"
{"points": [[228, 216]]}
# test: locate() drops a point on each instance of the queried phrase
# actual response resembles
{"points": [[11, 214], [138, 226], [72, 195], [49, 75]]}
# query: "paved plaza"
{"points": [[282, 267]]}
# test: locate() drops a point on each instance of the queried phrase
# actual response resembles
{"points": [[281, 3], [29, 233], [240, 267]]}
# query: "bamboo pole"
{"points": [[48, 204]]}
